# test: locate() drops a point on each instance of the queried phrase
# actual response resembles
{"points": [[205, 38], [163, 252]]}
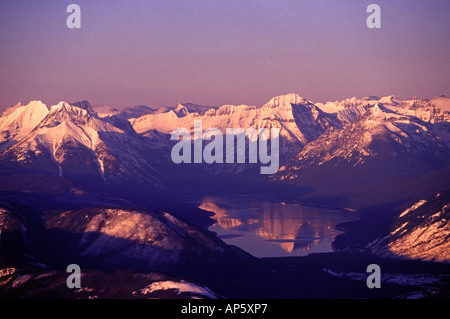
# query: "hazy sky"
{"points": [[215, 52]]}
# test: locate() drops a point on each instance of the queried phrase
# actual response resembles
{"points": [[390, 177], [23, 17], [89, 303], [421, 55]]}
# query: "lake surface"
{"points": [[268, 228]]}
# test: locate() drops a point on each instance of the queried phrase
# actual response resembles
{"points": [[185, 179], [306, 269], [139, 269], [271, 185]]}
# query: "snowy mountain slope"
{"points": [[105, 110], [277, 113], [72, 141], [330, 149], [181, 109], [377, 132], [129, 238], [135, 111], [299, 121], [337, 106], [441, 102], [420, 232], [378, 148], [435, 110], [17, 121], [429, 110], [114, 238], [309, 121]]}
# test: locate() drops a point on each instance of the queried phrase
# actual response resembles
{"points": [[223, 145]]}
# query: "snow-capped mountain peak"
{"points": [[24, 115], [17, 121], [64, 112], [353, 133], [286, 101], [84, 105], [78, 108], [105, 110], [378, 111], [66, 107], [391, 99], [351, 105], [72, 141], [181, 110], [442, 102]]}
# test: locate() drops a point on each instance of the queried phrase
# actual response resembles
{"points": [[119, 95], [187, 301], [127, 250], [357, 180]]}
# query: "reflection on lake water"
{"points": [[267, 228]]}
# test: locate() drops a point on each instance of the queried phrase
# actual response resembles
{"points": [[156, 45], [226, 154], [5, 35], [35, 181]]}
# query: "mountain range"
{"points": [[382, 147], [97, 185], [358, 153]]}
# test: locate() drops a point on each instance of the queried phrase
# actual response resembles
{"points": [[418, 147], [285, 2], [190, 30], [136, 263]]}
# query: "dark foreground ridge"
{"points": [[128, 253]]}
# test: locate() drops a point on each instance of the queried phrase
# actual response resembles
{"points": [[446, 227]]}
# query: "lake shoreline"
{"points": [[259, 224]]}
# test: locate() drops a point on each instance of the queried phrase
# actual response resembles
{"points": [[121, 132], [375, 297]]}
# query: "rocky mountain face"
{"points": [[356, 148], [372, 154], [420, 232], [71, 141], [119, 252], [298, 120], [107, 238], [19, 120], [353, 153], [379, 150]]}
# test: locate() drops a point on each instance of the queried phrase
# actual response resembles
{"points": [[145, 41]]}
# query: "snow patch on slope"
{"points": [[413, 207], [420, 232], [180, 286]]}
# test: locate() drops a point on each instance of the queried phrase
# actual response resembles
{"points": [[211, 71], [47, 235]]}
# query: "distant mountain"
{"points": [[420, 232], [105, 110], [17, 121], [378, 148], [183, 109], [338, 106], [135, 111], [299, 121], [433, 110], [73, 142], [93, 185], [356, 153]]}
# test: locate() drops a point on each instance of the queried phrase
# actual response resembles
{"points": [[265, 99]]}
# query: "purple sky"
{"points": [[215, 52]]}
